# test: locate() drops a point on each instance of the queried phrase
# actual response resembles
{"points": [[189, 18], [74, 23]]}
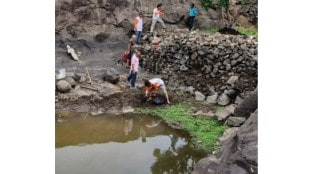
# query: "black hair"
{"points": [[147, 83], [192, 5], [159, 5]]}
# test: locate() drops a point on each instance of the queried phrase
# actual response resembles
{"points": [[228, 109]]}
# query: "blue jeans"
{"points": [[138, 34], [132, 78], [190, 22]]}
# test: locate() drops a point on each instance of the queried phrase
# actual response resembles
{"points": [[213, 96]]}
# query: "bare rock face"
{"points": [[238, 153], [76, 17]]}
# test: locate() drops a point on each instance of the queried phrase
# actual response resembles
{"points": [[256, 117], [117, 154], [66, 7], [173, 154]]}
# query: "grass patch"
{"points": [[248, 31], [205, 130], [212, 30]]}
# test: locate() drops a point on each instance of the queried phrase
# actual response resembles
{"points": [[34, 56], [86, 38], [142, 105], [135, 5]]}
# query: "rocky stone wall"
{"points": [[222, 66]]}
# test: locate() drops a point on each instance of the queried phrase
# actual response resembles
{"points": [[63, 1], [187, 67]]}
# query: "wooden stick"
{"points": [[88, 74], [88, 87]]}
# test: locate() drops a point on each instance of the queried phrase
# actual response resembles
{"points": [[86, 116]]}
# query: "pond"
{"points": [[121, 144]]}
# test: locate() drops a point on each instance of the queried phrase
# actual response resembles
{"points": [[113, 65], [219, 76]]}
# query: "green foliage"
{"points": [[206, 4], [207, 131], [212, 30], [248, 31], [223, 3], [215, 4]]}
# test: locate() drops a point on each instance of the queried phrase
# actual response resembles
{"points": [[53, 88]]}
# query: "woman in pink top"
{"points": [[134, 68]]}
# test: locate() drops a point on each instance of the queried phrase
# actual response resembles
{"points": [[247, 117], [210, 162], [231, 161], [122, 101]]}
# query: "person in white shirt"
{"points": [[138, 26], [154, 85], [156, 17]]}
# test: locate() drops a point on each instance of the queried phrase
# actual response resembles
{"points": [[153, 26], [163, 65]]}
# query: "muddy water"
{"points": [[121, 144]]}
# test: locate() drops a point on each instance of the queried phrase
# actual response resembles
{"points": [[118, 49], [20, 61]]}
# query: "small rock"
{"points": [[233, 62], [230, 108], [194, 56], [232, 80], [178, 56], [188, 90], [63, 86], [212, 99], [238, 100], [228, 67], [199, 96], [80, 77], [94, 113], [222, 114], [147, 47], [183, 68], [235, 121], [223, 100], [127, 109]]}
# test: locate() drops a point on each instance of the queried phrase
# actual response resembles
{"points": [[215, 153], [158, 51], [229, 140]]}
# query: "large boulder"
{"points": [[238, 153], [63, 86], [111, 75], [247, 106]]}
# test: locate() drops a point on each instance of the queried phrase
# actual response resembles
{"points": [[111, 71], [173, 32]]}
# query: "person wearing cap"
{"points": [[156, 17], [154, 85], [138, 26]]}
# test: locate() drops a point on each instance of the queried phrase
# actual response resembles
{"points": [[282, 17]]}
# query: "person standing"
{"points": [[156, 17], [154, 85], [131, 49], [192, 14], [138, 26], [134, 68]]}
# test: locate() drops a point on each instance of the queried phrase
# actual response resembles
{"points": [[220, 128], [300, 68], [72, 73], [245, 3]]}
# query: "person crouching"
{"points": [[154, 85]]}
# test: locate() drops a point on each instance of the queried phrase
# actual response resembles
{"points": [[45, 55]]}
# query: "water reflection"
{"points": [[122, 144]]}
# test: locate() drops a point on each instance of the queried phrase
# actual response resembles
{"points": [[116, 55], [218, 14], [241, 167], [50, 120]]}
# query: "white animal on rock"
{"points": [[72, 53]]}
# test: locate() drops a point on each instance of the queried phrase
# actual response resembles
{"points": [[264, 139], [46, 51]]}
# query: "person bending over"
{"points": [[154, 85]]}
